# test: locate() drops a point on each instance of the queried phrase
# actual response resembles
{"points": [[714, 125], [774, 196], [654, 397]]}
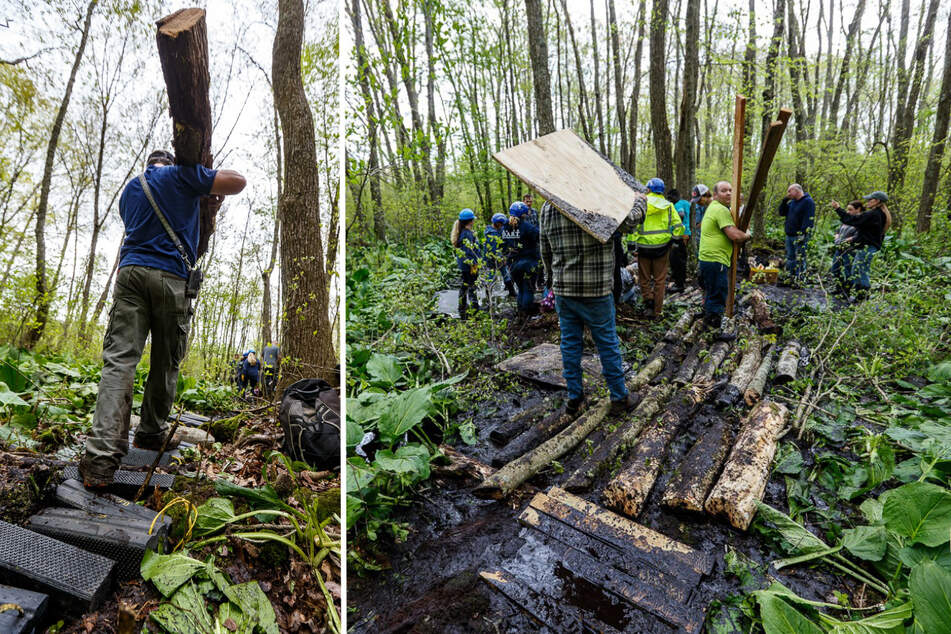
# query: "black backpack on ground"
{"points": [[310, 418]]}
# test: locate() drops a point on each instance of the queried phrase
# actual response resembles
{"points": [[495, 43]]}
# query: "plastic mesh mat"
{"points": [[144, 457], [49, 564], [125, 480]]}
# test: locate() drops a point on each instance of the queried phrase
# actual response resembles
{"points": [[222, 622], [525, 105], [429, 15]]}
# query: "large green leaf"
{"points": [[255, 605], [865, 542], [168, 572], [930, 587], [781, 618], [185, 614], [354, 433], [801, 540], [405, 412], [410, 460], [920, 511], [261, 497], [213, 515], [890, 621], [9, 397], [384, 369], [359, 475]]}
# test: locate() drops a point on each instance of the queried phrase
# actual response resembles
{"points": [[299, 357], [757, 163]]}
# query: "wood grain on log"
{"points": [[760, 313], [743, 374], [788, 363], [754, 391], [688, 488], [718, 352]]}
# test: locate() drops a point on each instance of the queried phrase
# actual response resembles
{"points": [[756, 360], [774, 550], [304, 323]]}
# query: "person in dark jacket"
{"points": [[799, 210], [521, 238], [250, 372], [678, 246], [871, 225], [464, 240], [495, 252]]}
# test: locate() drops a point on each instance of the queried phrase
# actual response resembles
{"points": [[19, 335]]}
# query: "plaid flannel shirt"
{"points": [[577, 264]]}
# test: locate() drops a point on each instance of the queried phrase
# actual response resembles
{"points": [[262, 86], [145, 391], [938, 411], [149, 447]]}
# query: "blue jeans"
{"points": [[523, 274], [715, 282], [598, 314], [796, 256], [852, 267]]}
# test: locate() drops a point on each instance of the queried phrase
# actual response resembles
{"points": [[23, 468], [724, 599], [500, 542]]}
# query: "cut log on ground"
{"points": [[760, 313], [689, 366], [718, 352], [628, 491], [182, 40], [688, 489], [533, 436], [744, 477], [462, 466], [513, 474], [679, 329], [647, 373], [514, 426], [754, 391], [693, 335], [788, 363], [619, 440], [743, 374]]}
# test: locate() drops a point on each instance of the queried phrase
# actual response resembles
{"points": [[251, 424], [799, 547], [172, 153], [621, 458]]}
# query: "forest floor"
{"points": [[216, 483], [429, 580]]}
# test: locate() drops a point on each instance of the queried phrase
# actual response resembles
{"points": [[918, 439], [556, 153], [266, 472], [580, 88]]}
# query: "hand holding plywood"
{"points": [[578, 180]]}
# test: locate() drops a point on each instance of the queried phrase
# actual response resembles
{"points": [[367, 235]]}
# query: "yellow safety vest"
{"points": [[661, 223]]}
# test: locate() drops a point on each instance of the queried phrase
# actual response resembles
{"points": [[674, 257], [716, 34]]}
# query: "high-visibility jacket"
{"points": [[661, 223]]}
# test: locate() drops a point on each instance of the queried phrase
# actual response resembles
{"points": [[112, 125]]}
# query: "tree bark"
{"points": [[43, 299], [853, 36], [631, 160], [754, 391], [618, 89], [769, 76], [938, 140], [688, 488], [658, 95], [308, 340], [788, 363], [373, 162], [684, 151], [584, 107], [538, 52], [597, 82]]}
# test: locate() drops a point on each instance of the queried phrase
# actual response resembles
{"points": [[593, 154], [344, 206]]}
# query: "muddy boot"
{"points": [[727, 330], [94, 478], [510, 287]]}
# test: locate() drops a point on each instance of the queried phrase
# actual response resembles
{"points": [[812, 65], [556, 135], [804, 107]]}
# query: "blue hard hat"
{"points": [[498, 218], [656, 185], [518, 209], [466, 214]]}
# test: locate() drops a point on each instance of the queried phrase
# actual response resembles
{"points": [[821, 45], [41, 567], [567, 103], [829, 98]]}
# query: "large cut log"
{"points": [[689, 366], [689, 486], [744, 477], [743, 374], [788, 363], [718, 352], [513, 474], [629, 489], [462, 466], [515, 425], [754, 391], [182, 40], [647, 373], [533, 436], [693, 335], [605, 452], [679, 329], [760, 313]]}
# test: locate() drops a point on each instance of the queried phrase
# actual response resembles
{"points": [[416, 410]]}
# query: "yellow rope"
{"points": [[191, 516]]}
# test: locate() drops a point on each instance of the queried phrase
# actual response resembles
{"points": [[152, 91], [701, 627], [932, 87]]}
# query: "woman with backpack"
{"points": [[250, 373], [871, 226], [464, 241]]}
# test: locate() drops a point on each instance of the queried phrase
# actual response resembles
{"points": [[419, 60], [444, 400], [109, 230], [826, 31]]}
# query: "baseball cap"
{"points": [[877, 195]]}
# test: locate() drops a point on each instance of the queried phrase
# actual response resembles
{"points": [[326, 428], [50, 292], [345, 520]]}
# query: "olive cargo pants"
{"points": [[145, 300]]}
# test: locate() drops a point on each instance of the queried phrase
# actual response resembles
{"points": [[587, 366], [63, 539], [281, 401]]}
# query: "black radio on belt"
{"points": [[195, 277]]}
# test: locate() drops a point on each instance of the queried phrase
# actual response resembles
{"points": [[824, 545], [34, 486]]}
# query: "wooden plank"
{"points": [[622, 532], [739, 119], [543, 364], [548, 611], [578, 180], [687, 617], [659, 584]]}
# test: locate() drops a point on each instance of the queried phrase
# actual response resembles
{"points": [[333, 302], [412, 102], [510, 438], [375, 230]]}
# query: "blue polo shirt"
{"points": [[177, 190], [683, 209]]}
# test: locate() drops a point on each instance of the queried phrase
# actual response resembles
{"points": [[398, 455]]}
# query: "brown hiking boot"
{"points": [[154, 443], [626, 404], [93, 478]]}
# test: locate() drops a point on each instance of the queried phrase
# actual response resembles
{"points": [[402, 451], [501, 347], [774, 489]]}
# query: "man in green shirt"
{"points": [[717, 235]]}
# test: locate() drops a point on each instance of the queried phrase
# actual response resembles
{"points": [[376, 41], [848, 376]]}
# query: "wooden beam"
{"points": [[770, 145], [739, 119]]}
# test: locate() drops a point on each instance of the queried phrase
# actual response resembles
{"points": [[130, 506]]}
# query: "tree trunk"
{"points": [[538, 52], [938, 140], [43, 300], [769, 76], [308, 341], [690, 484], [631, 160], [618, 90], [584, 108], [749, 77], [684, 151], [658, 96], [597, 82], [853, 36]]}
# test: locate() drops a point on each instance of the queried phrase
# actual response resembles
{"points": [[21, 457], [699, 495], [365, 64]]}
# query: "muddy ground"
{"points": [[431, 582]]}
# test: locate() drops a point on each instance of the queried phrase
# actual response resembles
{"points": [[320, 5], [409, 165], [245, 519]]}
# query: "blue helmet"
{"points": [[498, 218], [466, 214], [655, 185], [518, 209]]}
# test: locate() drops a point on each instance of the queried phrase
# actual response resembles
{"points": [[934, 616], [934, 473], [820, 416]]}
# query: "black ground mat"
{"points": [[190, 419], [127, 483], [26, 617], [145, 457], [73, 493], [123, 540], [79, 578]]}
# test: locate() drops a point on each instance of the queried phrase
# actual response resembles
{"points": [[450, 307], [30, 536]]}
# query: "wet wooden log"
{"points": [[517, 424], [688, 488], [788, 363], [462, 466], [533, 436], [754, 391], [708, 366], [760, 313], [182, 40], [619, 440], [628, 491], [679, 329], [513, 474], [688, 368], [744, 476], [647, 373], [742, 375], [693, 335]]}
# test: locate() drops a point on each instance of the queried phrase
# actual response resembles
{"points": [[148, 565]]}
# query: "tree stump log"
{"points": [[788, 363], [743, 374]]}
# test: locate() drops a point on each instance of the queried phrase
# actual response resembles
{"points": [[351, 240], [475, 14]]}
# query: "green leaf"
{"points": [[801, 540], [911, 556], [384, 369], [359, 475], [8, 397], [872, 510], [411, 460], [781, 618], [930, 587], [890, 621], [254, 603], [789, 459], [354, 433], [168, 572], [260, 497], [405, 412], [186, 613], [919, 510], [467, 432], [213, 515], [865, 542]]}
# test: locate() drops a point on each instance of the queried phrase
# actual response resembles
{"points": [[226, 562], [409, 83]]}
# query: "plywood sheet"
{"points": [[578, 180], [543, 364]]}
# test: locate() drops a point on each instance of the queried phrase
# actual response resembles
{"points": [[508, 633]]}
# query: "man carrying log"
{"points": [[580, 271], [718, 232], [154, 289]]}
